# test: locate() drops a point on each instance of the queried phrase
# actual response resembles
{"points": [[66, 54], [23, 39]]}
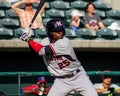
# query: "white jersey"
{"points": [[100, 86], [64, 60]]}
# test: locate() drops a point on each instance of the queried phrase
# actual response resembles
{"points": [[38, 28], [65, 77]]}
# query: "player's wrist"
{"points": [[34, 1], [29, 39]]}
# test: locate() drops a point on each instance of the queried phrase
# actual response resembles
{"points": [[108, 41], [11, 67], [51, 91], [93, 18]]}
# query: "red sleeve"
{"points": [[31, 87], [35, 46]]}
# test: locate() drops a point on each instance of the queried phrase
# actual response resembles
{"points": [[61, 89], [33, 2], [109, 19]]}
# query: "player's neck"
{"points": [[106, 85], [91, 14], [53, 41]]}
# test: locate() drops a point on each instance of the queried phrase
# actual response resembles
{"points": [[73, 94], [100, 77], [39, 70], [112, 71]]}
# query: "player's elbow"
{"points": [[14, 8], [35, 46]]}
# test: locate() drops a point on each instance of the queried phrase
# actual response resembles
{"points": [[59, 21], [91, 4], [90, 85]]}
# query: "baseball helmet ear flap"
{"points": [[55, 25]]}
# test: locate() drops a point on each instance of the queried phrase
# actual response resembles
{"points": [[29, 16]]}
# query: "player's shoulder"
{"points": [[45, 39], [114, 85], [98, 84], [64, 40]]}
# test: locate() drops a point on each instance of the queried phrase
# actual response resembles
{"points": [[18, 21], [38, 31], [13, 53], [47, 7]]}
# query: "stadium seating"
{"points": [[86, 34], [6, 33], [2, 13], [70, 33], [35, 5], [5, 5], [9, 22], [113, 14], [58, 4], [100, 13], [10, 13], [78, 4], [66, 22], [45, 20], [108, 21], [55, 13], [89, 0], [107, 34], [18, 32], [47, 5], [62, 9], [40, 33], [102, 6], [118, 32]]}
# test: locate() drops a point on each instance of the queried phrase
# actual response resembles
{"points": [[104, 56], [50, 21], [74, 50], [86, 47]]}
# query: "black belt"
{"points": [[68, 75]]}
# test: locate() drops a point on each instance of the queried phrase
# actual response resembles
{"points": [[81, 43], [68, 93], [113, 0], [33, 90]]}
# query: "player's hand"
{"points": [[97, 28], [35, 1], [26, 35], [111, 89]]}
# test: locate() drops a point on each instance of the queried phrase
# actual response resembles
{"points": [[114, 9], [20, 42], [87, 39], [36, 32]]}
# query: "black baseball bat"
{"points": [[37, 11]]}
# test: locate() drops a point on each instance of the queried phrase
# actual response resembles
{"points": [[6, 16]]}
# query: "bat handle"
{"points": [[30, 25]]}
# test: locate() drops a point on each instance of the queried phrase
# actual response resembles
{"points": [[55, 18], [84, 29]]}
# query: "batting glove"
{"points": [[26, 35], [111, 89]]}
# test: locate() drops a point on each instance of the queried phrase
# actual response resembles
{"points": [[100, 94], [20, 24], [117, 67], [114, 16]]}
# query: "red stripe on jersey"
{"points": [[36, 46], [52, 49]]}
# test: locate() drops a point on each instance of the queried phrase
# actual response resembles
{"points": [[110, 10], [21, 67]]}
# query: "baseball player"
{"points": [[61, 61], [106, 87], [39, 89]]}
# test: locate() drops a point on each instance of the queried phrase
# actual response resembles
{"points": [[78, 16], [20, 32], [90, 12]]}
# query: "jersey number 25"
{"points": [[63, 64]]}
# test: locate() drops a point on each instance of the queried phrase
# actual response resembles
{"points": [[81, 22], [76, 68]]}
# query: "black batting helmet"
{"points": [[55, 25]]}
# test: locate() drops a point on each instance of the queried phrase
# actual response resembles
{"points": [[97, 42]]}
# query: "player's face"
{"points": [[57, 35], [28, 7], [107, 80]]}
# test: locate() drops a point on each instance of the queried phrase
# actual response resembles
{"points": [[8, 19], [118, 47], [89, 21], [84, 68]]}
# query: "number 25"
{"points": [[63, 64]]}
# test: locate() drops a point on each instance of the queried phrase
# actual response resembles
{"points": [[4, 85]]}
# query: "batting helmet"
{"points": [[41, 79], [55, 25]]}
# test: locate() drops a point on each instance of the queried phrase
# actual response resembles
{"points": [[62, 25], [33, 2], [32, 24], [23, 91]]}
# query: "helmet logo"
{"points": [[58, 24]]}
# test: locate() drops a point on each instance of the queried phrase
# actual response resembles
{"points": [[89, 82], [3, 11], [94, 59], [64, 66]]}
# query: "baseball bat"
{"points": [[37, 11]]}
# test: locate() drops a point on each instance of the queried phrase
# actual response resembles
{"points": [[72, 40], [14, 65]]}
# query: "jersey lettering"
{"points": [[63, 64], [57, 58]]}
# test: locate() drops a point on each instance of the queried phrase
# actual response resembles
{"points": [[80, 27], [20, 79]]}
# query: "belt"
{"points": [[69, 75]]}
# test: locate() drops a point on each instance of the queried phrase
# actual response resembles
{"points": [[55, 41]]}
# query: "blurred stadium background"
{"points": [[97, 51]]}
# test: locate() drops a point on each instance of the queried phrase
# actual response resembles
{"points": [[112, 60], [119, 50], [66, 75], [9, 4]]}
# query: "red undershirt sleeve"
{"points": [[35, 46]]}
